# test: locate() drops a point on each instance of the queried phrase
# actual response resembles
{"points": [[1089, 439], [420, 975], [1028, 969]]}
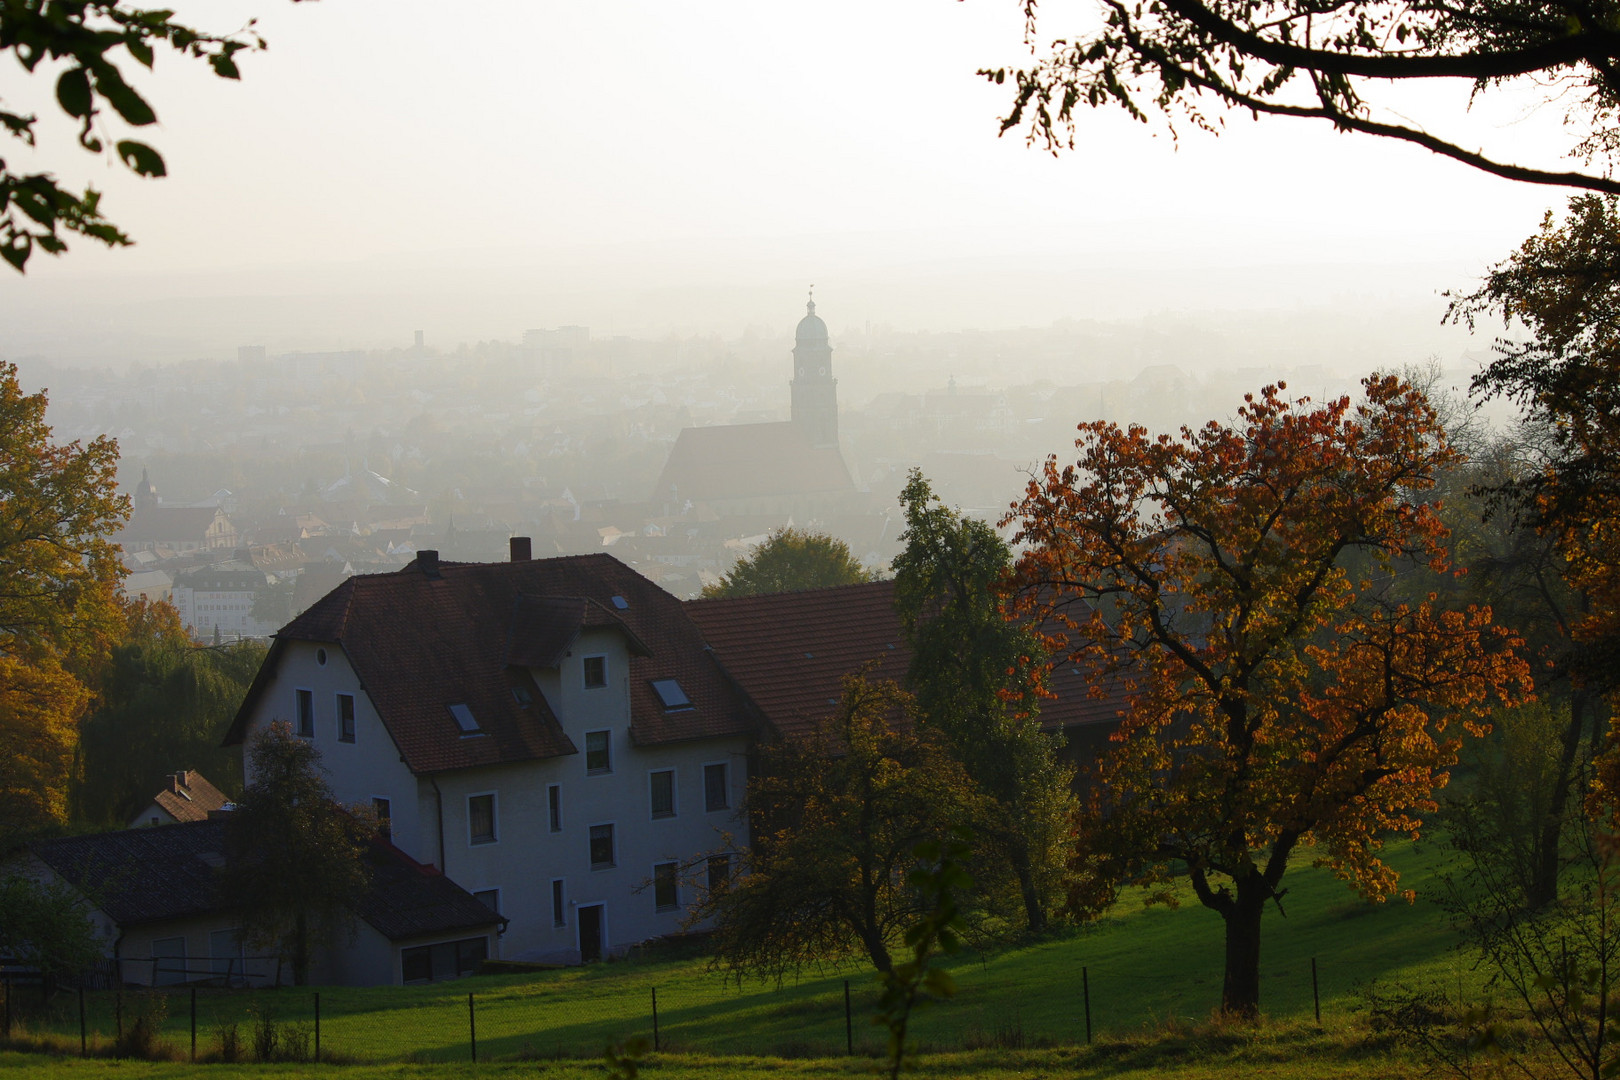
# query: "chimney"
{"points": [[429, 562], [522, 550]]}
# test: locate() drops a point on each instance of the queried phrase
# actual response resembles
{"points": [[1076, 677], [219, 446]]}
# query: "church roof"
{"points": [[811, 328], [743, 461]]}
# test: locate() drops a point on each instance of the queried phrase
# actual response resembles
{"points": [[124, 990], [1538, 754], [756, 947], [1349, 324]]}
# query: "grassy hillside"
{"points": [[1149, 970]]}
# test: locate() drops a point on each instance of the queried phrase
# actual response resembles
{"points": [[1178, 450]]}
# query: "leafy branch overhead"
{"points": [[88, 40], [1336, 61]]}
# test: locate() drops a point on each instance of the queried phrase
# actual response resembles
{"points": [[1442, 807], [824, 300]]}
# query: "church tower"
{"points": [[815, 391]]}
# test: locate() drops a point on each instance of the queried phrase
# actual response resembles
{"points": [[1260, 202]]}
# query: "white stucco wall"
{"points": [[368, 768]]}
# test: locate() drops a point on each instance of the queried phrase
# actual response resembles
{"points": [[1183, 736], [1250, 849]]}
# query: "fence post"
{"points": [[1085, 990], [317, 1025], [849, 1027], [118, 1014], [472, 1028], [8, 1006], [1316, 993], [194, 1025], [656, 1046], [83, 1041]]}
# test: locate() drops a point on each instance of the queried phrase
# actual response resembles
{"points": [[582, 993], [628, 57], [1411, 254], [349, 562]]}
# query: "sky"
{"points": [[654, 167]]}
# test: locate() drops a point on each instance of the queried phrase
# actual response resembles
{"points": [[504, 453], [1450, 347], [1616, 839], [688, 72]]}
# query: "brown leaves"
{"points": [[1240, 577]]}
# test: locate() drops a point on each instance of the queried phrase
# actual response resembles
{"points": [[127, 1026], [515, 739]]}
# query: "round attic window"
{"points": [[320, 657]]}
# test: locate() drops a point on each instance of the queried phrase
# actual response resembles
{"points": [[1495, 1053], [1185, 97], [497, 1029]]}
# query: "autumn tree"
{"points": [[835, 818], [163, 704], [1274, 697], [975, 681], [58, 605], [1192, 61], [295, 858], [792, 559]]}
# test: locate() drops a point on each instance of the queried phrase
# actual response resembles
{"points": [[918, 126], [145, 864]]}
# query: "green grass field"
{"points": [[1150, 972]]}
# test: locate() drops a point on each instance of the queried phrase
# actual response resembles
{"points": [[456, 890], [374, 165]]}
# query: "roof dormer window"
{"points": [[670, 693], [464, 720]]}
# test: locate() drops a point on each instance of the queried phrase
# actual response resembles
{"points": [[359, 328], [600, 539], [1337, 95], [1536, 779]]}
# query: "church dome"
{"points": [[811, 328]]}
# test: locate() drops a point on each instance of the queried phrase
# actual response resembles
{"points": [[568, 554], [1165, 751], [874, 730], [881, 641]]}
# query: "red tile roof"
{"points": [[464, 637], [745, 461], [189, 796], [790, 652]]}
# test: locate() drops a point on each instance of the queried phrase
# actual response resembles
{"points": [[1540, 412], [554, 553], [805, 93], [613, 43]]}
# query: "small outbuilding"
{"points": [[152, 896]]}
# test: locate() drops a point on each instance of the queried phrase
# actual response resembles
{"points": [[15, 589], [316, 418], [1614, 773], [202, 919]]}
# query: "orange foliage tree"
{"points": [[1280, 691], [59, 610]]}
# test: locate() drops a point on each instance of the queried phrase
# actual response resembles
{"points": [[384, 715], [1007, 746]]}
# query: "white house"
{"points": [[553, 735]]}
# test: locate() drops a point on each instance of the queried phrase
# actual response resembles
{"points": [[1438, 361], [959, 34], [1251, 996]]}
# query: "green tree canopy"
{"points": [[84, 42], [295, 858], [792, 559], [835, 818], [974, 673], [164, 705]]}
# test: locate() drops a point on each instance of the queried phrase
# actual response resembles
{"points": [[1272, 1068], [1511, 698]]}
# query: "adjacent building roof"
{"points": [[749, 461], [438, 634], [171, 872], [189, 796], [791, 651]]}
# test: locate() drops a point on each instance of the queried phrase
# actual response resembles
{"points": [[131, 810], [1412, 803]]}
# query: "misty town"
{"points": [[470, 606]]}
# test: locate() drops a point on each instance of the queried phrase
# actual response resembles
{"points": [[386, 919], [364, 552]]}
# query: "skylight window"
{"points": [[464, 719], [670, 693], [621, 603]]}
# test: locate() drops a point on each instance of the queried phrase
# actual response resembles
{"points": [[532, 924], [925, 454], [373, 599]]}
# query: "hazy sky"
{"points": [[651, 166]]}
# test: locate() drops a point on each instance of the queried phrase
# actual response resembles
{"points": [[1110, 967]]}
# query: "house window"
{"points": [[168, 961], [559, 914], [595, 672], [481, 818], [666, 894], [385, 818], [663, 792], [719, 871], [716, 791], [345, 703], [490, 898], [601, 847], [443, 961], [306, 712], [554, 806], [225, 955], [598, 753]]}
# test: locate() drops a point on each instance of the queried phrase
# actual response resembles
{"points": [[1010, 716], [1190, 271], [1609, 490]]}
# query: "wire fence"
{"points": [[578, 1012]]}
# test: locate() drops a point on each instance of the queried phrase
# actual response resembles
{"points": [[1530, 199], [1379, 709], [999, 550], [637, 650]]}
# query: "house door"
{"points": [[590, 933]]}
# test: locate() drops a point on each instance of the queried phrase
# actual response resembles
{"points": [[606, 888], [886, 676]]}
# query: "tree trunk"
{"points": [[876, 949], [1034, 911], [300, 956], [1240, 988], [1543, 885]]}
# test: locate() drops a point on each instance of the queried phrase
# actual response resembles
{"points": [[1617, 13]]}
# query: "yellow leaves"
{"points": [[40, 704]]}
